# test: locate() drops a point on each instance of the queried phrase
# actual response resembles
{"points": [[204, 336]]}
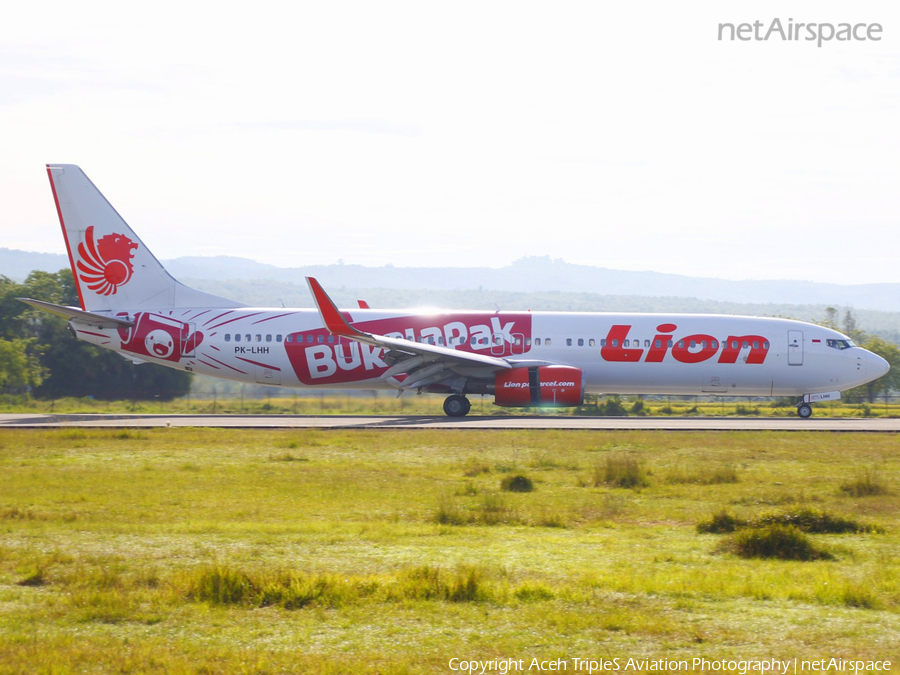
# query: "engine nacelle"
{"points": [[543, 385]]}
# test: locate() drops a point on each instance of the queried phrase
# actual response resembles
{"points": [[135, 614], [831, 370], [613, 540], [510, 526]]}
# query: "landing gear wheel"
{"points": [[456, 406], [804, 410]]}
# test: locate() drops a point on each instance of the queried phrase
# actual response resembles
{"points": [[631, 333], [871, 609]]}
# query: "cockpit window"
{"points": [[840, 344]]}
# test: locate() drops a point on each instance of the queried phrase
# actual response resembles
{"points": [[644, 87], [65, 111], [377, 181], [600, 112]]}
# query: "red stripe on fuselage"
{"points": [[246, 316], [257, 363], [225, 364], [277, 316]]}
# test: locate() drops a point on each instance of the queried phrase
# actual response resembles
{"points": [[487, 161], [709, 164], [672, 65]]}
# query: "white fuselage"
{"points": [[688, 354]]}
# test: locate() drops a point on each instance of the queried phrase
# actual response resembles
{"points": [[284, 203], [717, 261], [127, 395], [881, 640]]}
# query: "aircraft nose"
{"points": [[876, 366]]}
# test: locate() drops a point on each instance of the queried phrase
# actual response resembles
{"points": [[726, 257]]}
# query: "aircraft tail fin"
{"points": [[113, 268]]}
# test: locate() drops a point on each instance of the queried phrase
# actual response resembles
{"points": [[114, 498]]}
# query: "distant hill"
{"points": [[19, 264], [527, 275]]}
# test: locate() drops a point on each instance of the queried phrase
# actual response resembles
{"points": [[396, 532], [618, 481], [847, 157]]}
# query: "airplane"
{"points": [[130, 304]]}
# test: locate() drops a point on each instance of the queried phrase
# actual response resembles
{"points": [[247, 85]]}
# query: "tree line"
{"points": [[40, 356]]}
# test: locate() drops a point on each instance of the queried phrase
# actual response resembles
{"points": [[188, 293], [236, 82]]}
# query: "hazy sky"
{"points": [[622, 135]]}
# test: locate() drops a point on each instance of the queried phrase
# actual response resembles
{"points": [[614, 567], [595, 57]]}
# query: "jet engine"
{"points": [[539, 386]]}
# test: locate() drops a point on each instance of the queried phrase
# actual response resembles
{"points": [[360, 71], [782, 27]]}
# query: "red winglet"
{"points": [[363, 304], [334, 321]]}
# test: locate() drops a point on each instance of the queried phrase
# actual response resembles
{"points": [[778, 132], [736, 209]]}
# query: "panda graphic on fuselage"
{"points": [[159, 343]]}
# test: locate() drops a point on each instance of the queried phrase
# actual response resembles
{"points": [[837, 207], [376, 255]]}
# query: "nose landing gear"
{"points": [[456, 406], [804, 410]]}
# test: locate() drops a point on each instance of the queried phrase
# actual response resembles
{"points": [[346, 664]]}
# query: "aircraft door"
{"points": [[188, 339], [795, 348]]}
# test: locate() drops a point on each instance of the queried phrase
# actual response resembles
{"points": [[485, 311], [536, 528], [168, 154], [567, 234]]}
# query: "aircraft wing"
{"points": [[422, 363]]}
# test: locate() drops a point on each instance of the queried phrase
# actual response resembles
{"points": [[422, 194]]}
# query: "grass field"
{"points": [[215, 551]]}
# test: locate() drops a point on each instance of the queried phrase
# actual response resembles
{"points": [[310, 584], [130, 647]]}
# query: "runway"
{"points": [[870, 425]]}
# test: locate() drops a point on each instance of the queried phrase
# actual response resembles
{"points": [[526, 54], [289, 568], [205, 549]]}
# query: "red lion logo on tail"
{"points": [[105, 265]]}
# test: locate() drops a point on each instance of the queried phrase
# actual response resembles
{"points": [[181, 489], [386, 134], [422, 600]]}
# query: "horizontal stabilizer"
{"points": [[79, 316]]}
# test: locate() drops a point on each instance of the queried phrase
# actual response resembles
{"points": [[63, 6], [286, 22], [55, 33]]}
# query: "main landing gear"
{"points": [[804, 410], [457, 406]]}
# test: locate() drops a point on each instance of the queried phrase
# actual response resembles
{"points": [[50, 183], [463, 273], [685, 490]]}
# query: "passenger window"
{"points": [[320, 339], [268, 338], [765, 345], [755, 344], [615, 343], [527, 342], [681, 344], [657, 344], [568, 342], [227, 337], [537, 342], [670, 343], [745, 345], [247, 337], [278, 338], [547, 342], [592, 342], [258, 337], [518, 341], [714, 344], [581, 342], [237, 337], [603, 342], [646, 343]]}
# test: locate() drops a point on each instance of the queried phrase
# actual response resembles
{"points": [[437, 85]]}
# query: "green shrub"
{"points": [[612, 407], [867, 484], [720, 523], [534, 592], [784, 542], [621, 471], [449, 513], [466, 584], [517, 483], [220, 586], [806, 520], [706, 475], [816, 522], [35, 579]]}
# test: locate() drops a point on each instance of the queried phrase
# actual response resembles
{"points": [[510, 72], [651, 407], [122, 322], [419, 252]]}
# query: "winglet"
{"points": [[331, 316]]}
